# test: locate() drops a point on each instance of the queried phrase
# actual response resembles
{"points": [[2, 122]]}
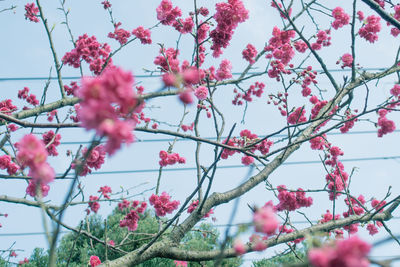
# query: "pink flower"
{"points": [[32, 153], [31, 12], [346, 253], [224, 70], [94, 205], [166, 13], [249, 53], [144, 35], [105, 190], [88, 49], [181, 263], [292, 200], [372, 229], [247, 160], [228, 16], [297, 116], [239, 247], [94, 261], [201, 92], [184, 26], [119, 34], [341, 18], [162, 204], [347, 60], [31, 189], [194, 205], [97, 110], [369, 31], [265, 221], [106, 4], [186, 96]]}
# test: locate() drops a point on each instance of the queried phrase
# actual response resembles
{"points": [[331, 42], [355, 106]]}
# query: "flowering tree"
{"points": [[281, 79]]}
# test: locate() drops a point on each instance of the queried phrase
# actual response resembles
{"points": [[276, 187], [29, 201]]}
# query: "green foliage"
{"points": [[75, 249], [288, 259]]}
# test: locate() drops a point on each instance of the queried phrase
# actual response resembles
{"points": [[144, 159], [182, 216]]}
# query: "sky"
{"points": [[28, 55]]}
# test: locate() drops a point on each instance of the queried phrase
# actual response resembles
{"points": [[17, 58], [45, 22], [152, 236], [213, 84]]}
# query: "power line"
{"points": [[212, 138], [215, 225], [236, 166], [158, 75]]}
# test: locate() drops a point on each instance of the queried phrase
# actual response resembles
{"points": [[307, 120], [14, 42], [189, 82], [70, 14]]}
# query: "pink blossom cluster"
{"points": [[194, 205], [256, 89], [224, 70], [25, 261], [170, 159], [97, 111], [300, 46], [346, 253], [7, 164], [180, 263], [284, 230], [31, 99], [201, 92], [144, 35], [341, 18], [386, 126], [378, 205], [32, 153], [239, 247], [184, 25], [166, 13], [265, 221], [131, 219], [347, 60], [168, 60], [247, 138], [350, 120], [90, 50], [94, 205], [280, 47], [323, 39], [370, 29], [308, 77], [228, 16], [105, 191], [186, 128], [257, 242], [162, 204], [337, 180], [119, 34], [51, 115], [394, 31], [283, 15], [328, 216], [31, 12], [292, 200], [93, 161], [381, 3], [31, 189], [51, 140], [7, 107], [250, 53], [297, 116], [319, 142], [355, 206], [71, 88], [94, 260]]}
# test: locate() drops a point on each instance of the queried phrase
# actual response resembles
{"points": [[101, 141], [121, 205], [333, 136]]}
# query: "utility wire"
{"points": [[236, 166], [216, 225], [157, 75], [211, 138]]}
